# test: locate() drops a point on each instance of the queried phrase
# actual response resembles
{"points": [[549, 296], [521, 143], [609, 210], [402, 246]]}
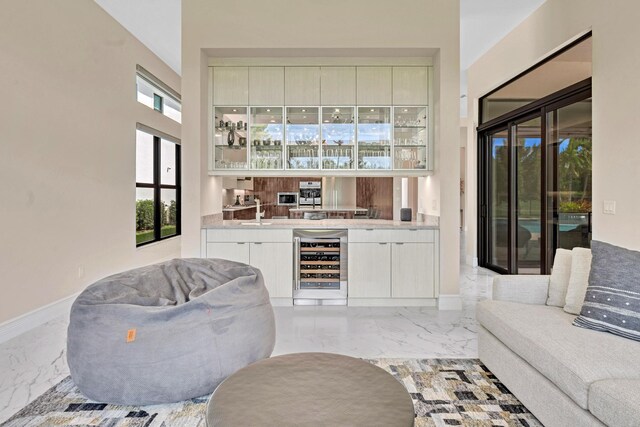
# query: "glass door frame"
{"points": [[540, 108], [485, 196]]}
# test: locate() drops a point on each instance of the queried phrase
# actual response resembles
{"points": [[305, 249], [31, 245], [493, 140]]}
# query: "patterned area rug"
{"points": [[445, 392]]}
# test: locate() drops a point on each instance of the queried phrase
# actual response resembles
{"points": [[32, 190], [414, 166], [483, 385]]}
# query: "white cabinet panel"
{"points": [[369, 270], [412, 270], [230, 86], [250, 234], [338, 86], [275, 260], [374, 85], [410, 86], [391, 235], [266, 86], [302, 86], [232, 251]]}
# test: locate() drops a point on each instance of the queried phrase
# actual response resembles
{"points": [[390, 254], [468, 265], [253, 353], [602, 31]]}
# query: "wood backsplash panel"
{"points": [[267, 189], [375, 193]]}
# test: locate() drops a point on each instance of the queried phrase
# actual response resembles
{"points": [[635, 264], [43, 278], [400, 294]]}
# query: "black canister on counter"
{"points": [[405, 214]]}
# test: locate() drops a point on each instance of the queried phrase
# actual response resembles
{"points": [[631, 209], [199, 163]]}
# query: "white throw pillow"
{"points": [[559, 280], [579, 280]]}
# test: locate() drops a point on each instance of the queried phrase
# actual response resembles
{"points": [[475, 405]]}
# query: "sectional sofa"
{"points": [[565, 375]]}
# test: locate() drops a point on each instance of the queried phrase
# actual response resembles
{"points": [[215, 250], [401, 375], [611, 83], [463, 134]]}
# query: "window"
{"points": [[157, 186], [155, 94]]}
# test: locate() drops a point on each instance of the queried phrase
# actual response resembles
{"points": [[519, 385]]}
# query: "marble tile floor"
{"points": [[33, 362]]}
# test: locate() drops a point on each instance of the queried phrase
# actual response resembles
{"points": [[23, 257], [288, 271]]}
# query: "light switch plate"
{"points": [[609, 207]]}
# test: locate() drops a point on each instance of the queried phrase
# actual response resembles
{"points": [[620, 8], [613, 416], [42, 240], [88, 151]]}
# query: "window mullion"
{"points": [[156, 182]]}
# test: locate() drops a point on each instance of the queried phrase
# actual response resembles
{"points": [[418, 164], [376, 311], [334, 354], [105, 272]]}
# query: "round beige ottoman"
{"points": [[310, 389]]}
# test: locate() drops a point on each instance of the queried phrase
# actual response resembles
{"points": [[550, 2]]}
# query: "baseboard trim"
{"points": [[391, 302], [24, 323], [281, 302], [450, 302]]}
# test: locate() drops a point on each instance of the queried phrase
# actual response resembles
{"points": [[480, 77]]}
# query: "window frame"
{"points": [[160, 90], [157, 185]]}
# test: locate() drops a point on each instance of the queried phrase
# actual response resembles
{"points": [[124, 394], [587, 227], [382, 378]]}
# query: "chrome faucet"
{"points": [[259, 215]]}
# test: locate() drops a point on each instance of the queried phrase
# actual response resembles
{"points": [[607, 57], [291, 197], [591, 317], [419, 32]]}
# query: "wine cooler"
{"points": [[320, 276]]}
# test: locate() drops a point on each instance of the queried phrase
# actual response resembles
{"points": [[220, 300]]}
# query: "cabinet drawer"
{"points": [[392, 235], [412, 235], [249, 235]]}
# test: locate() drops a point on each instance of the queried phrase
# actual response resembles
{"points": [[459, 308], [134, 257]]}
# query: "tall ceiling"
{"points": [[156, 23]]}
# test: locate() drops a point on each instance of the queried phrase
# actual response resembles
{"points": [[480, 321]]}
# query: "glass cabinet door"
{"points": [[267, 135], [230, 138], [374, 137], [338, 137], [303, 138], [410, 138]]}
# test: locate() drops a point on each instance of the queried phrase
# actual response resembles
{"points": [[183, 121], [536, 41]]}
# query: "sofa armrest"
{"points": [[522, 289]]}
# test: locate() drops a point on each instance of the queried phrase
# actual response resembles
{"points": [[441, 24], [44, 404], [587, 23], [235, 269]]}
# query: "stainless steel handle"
{"points": [[296, 263], [368, 229], [257, 243], [399, 243], [240, 243], [382, 243]]}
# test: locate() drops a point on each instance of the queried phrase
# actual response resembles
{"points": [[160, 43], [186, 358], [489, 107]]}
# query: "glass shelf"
{"points": [[374, 137], [338, 137], [303, 137], [410, 126], [302, 157], [230, 138], [410, 157], [374, 157], [338, 156], [410, 138], [267, 134]]}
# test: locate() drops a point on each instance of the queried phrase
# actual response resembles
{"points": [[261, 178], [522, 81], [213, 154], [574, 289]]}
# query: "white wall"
{"points": [[331, 24], [616, 61], [67, 157]]}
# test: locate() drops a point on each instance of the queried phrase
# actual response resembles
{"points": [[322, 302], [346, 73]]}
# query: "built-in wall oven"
{"points": [[310, 193], [320, 267]]}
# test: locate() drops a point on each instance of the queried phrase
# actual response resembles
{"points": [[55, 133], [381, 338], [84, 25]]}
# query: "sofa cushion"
{"points": [[572, 358], [559, 280], [578, 280], [612, 303], [615, 402]]}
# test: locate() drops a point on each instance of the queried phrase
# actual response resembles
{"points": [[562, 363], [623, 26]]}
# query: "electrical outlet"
{"points": [[80, 272], [609, 207]]}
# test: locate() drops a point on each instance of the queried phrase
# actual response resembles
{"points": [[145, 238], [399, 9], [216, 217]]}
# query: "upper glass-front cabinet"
{"points": [[267, 136], [374, 137], [338, 137], [303, 137], [410, 135], [321, 138], [230, 138]]}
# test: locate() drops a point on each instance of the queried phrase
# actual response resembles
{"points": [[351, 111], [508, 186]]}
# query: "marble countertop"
{"points": [[323, 223], [328, 209], [238, 208]]}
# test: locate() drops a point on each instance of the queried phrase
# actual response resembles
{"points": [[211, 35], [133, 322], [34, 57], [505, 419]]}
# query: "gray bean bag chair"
{"points": [[168, 332]]}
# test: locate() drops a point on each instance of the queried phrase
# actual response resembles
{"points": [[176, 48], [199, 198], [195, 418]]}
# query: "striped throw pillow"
{"points": [[612, 302]]}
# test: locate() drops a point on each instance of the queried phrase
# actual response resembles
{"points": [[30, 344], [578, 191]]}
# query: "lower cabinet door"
{"points": [[413, 274], [369, 270], [232, 251], [275, 260]]}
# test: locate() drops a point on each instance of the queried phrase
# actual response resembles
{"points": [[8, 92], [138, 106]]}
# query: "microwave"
{"points": [[287, 199]]}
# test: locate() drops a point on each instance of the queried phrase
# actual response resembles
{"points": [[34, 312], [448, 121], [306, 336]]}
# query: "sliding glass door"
{"points": [[569, 176], [527, 139], [498, 194], [535, 185]]}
